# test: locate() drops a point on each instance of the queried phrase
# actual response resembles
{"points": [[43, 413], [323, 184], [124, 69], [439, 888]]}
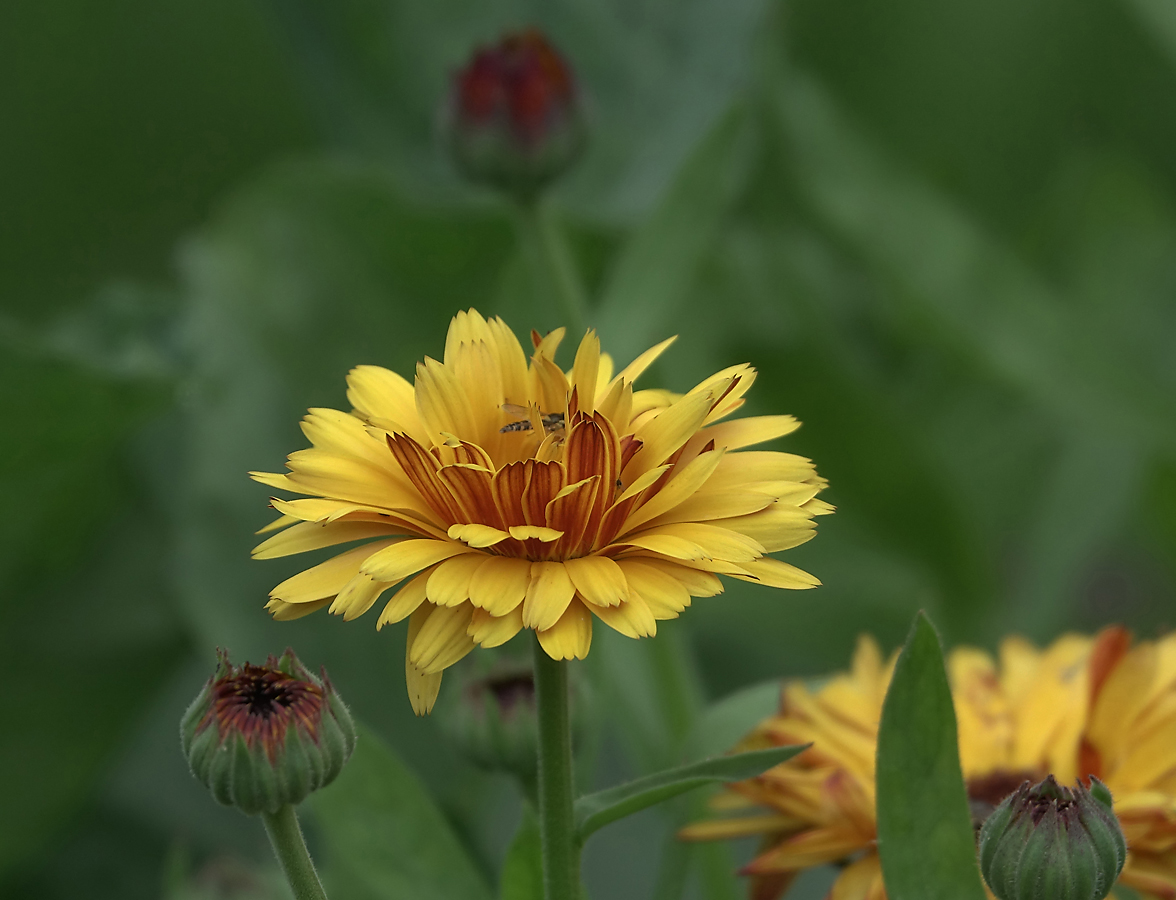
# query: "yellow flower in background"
{"points": [[1080, 707], [501, 493]]}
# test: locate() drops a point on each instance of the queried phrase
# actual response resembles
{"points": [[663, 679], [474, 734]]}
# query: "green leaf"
{"points": [[597, 810], [658, 266], [522, 870], [385, 837], [924, 827]]}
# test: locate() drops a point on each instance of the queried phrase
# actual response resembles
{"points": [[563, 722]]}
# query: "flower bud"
{"points": [[1048, 842], [514, 118], [261, 737], [495, 723]]}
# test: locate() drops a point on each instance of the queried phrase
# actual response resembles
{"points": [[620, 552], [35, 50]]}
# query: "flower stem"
{"points": [[561, 849], [551, 264], [290, 848]]}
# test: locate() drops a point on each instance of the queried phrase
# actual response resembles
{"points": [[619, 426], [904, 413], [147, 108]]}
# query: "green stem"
{"points": [[290, 848], [557, 827], [552, 266]]}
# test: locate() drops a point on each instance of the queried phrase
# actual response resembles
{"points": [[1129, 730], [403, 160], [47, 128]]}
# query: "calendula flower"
{"points": [[503, 494], [1081, 707]]}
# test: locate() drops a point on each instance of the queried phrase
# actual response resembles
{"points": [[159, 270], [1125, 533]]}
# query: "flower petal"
{"points": [[358, 596], [777, 574], [401, 559], [422, 687], [500, 584], [549, 594], [493, 631], [598, 579], [631, 618], [477, 535], [442, 639], [311, 536], [571, 636], [664, 594], [405, 601], [327, 578], [449, 585]]}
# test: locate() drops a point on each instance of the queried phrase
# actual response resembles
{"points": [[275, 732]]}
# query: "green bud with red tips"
{"points": [[262, 737], [1049, 842], [515, 118]]}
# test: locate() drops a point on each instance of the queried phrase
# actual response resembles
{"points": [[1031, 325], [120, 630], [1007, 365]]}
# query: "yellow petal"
{"points": [[493, 631], [571, 636], [715, 542], [311, 536], [477, 535], [549, 594], [280, 522], [777, 574], [288, 612], [664, 594], [633, 371], [500, 584], [737, 827], [599, 580], [405, 557], [669, 430], [422, 688], [584, 371], [777, 527], [441, 402], [277, 480], [698, 583], [358, 596], [442, 640], [327, 578], [746, 432], [539, 532], [405, 601], [631, 618], [666, 544], [449, 585], [379, 393], [686, 482]]}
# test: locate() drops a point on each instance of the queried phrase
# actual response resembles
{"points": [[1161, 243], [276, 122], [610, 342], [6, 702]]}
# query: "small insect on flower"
{"points": [[598, 503], [551, 423]]}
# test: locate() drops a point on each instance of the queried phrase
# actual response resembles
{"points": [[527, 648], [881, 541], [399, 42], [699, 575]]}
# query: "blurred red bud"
{"points": [[514, 118]]}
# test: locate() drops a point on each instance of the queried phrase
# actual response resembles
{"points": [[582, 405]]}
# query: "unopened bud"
{"points": [[515, 119], [495, 722], [1048, 842], [261, 737]]}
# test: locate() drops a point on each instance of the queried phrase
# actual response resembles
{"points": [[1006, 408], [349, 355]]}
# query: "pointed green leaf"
{"points": [[522, 870], [924, 827], [385, 837], [597, 810]]}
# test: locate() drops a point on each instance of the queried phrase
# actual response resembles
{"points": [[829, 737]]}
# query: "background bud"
{"points": [[1048, 842], [514, 118], [261, 737]]}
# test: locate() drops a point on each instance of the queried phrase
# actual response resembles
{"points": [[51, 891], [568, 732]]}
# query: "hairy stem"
{"points": [[290, 848], [561, 849]]}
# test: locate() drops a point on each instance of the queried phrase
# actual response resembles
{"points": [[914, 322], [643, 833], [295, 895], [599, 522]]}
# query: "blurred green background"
{"points": [[944, 232]]}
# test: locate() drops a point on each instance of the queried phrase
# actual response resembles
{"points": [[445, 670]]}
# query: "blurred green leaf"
{"points": [[385, 838], [725, 722], [522, 870], [924, 828], [87, 630], [597, 810], [658, 265]]}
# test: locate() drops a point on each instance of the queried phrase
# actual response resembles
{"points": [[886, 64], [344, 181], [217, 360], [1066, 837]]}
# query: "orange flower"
{"points": [[507, 495], [1080, 707]]}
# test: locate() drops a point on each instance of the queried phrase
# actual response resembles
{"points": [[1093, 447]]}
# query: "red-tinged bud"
{"points": [[515, 119], [262, 737]]}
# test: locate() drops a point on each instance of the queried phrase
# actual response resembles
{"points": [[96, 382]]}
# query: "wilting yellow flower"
{"points": [[1080, 707], [508, 494]]}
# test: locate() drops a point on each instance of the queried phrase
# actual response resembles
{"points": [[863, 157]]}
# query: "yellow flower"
{"points": [[505, 494], [1082, 706]]}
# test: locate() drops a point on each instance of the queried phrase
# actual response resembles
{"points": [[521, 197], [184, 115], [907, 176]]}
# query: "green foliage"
{"points": [[597, 810], [522, 869], [384, 836], [925, 832], [944, 234]]}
